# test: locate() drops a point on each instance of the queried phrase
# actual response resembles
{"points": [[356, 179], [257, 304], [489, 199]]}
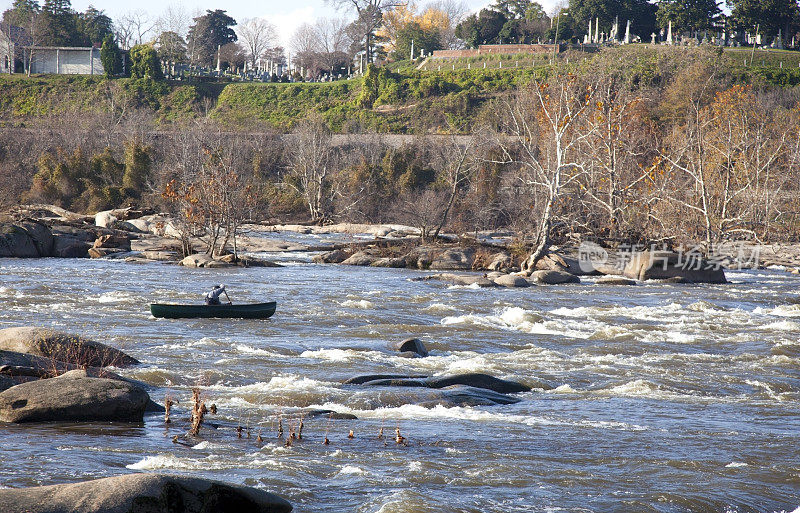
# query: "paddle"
{"points": [[227, 296]]}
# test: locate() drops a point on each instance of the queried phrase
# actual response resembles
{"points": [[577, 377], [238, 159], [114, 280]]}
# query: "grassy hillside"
{"points": [[406, 100]]}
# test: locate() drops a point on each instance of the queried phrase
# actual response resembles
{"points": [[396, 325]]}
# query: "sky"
{"points": [[286, 16]]}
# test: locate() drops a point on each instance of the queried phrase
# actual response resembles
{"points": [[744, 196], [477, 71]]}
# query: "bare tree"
{"points": [[175, 18], [311, 160], [544, 129], [134, 28], [727, 154], [256, 35], [622, 151], [370, 15], [456, 161], [455, 12], [333, 42]]}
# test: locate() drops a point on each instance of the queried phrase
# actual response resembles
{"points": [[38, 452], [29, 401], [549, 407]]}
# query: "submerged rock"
{"points": [[462, 279], [472, 379], [74, 397], [331, 414], [478, 380], [412, 345], [360, 380], [72, 349], [142, 493], [615, 280]]}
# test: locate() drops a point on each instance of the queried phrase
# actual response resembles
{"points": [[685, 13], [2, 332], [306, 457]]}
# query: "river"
{"points": [[662, 398]]}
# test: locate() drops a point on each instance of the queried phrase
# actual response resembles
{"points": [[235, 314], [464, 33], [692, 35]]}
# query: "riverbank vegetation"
{"points": [[630, 145]]}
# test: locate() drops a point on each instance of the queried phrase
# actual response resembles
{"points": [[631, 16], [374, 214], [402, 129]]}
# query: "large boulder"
{"points": [[69, 246], [201, 260], [665, 265], [556, 262], [554, 277], [454, 259], [501, 261], [511, 280], [25, 240], [337, 256], [72, 349], [109, 241], [361, 258], [42, 237], [142, 493], [392, 262], [74, 397]]}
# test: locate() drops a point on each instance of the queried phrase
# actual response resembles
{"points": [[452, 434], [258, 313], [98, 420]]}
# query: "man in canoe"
{"points": [[212, 298]]}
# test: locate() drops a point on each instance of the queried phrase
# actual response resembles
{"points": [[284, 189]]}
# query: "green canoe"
{"points": [[243, 311]]}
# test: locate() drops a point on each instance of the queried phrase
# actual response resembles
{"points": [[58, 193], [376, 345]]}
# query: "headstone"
{"points": [[597, 29], [653, 38], [779, 41], [669, 34], [628, 33]]}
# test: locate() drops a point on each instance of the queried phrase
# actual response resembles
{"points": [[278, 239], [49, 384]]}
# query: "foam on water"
{"points": [[165, 461], [439, 307], [780, 311], [361, 304], [349, 470], [117, 297]]}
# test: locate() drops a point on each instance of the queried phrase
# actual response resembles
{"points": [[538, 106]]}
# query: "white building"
{"points": [[64, 60]]}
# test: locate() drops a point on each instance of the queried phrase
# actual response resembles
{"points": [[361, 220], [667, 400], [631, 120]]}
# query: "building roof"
{"points": [[71, 48]]}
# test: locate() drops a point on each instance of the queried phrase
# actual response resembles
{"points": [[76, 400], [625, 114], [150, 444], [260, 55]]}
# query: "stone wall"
{"points": [[67, 61]]}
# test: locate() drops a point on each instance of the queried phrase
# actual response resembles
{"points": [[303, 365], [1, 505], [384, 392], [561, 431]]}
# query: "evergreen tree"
{"points": [[111, 57], [688, 15], [210, 32], [93, 26], [145, 63], [641, 13], [424, 38], [171, 47], [59, 24], [770, 15]]}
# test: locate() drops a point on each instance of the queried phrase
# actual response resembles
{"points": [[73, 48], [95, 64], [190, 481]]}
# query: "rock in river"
{"points": [[63, 347], [74, 397], [554, 277], [142, 493], [412, 345], [664, 265], [472, 379]]}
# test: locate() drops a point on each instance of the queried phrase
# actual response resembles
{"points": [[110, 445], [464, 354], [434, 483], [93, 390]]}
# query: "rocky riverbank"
{"points": [[36, 231]]}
